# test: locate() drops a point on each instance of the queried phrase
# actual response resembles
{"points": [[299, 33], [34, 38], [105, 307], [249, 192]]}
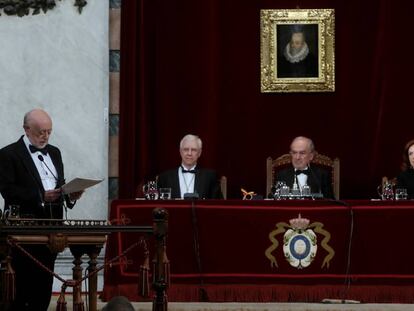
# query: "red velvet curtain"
{"points": [[194, 67]]}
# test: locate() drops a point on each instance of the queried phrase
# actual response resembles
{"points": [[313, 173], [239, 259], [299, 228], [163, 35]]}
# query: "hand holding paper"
{"points": [[79, 185], [74, 196]]}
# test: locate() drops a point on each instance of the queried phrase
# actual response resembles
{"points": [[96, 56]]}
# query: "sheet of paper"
{"points": [[79, 184]]}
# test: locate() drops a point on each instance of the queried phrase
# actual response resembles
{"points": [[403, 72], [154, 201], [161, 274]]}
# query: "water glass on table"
{"points": [[401, 194], [306, 191], [165, 193]]}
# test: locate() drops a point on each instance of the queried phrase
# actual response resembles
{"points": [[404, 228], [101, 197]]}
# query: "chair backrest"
{"points": [[223, 186], [273, 165]]}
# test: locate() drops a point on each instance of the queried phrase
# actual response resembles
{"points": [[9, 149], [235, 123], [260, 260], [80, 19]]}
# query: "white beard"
{"points": [[297, 57]]}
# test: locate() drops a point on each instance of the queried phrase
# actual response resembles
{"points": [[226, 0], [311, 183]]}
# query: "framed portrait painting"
{"points": [[297, 50]]}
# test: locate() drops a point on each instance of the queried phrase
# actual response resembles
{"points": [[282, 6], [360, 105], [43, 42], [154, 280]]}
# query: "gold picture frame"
{"points": [[297, 50]]}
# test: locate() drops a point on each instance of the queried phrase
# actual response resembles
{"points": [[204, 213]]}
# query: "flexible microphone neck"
{"points": [[40, 157]]}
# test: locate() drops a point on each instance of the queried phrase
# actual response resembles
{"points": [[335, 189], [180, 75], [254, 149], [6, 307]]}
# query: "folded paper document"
{"points": [[79, 184]]}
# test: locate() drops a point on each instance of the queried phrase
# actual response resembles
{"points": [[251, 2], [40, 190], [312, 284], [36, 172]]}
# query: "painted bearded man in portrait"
{"points": [[296, 59]]}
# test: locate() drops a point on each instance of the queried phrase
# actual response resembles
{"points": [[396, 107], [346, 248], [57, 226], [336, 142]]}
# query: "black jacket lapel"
{"points": [[28, 163]]}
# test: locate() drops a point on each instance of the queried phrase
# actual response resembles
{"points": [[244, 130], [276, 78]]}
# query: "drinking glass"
{"points": [[401, 194], [12, 212], [278, 189], [387, 191], [295, 192], [165, 193], [306, 191], [284, 191], [150, 190]]}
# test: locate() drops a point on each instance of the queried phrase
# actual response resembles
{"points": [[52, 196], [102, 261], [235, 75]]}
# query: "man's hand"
{"points": [[74, 196], [52, 195]]}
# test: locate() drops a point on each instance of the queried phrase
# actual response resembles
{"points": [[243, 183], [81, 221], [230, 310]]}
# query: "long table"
{"points": [[227, 250]]}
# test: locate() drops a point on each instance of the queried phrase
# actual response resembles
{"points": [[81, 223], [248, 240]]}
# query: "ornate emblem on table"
{"points": [[300, 243]]}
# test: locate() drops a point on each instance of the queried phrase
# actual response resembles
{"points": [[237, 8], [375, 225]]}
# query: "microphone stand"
{"points": [[196, 245], [348, 261]]}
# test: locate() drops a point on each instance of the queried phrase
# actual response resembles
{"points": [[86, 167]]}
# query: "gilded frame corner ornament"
{"points": [[282, 73]]}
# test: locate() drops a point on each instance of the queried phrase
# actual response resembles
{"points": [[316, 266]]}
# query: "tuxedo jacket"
{"points": [[206, 183], [319, 180], [406, 180], [20, 182]]}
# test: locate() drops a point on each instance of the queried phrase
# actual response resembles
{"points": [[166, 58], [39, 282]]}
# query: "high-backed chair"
{"points": [[273, 165]]}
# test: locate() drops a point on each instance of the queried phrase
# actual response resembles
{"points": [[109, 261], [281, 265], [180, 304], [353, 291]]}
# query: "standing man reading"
{"points": [[31, 174], [189, 177]]}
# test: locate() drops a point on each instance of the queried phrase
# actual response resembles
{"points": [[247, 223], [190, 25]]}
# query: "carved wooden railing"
{"points": [[81, 237]]}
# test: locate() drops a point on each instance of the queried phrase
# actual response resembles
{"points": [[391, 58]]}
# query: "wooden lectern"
{"points": [[81, 237]]}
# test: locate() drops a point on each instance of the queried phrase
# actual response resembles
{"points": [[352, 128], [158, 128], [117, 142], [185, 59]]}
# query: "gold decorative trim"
{"points": [[280, 228], [276, 29], [324, 243], [26, 7]]}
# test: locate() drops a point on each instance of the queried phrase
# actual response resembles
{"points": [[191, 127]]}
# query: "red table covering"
{"points": [[217, 251]]}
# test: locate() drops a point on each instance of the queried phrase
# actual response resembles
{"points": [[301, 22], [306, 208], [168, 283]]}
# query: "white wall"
{"points": [[59, 61]]}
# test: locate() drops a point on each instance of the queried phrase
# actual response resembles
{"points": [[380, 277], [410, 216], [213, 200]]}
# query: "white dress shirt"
{"points": [[186, 181], [47, 173], [302, 179]]}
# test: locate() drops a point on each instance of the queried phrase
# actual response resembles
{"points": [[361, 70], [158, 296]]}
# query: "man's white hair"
{"points": [[191, 137]]}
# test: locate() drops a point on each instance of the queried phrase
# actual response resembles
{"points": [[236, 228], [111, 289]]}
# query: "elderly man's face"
{"points": [[301, 153], [39, 129], [190, 151]]}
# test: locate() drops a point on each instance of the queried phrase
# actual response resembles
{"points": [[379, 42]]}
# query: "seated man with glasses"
{"points": [[189, 178], [302, 172]]}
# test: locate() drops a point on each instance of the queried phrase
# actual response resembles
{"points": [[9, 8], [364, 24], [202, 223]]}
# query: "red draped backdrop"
{"points": [[194, 67]]}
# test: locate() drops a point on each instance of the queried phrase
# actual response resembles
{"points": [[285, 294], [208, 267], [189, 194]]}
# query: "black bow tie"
{"points": [[297, 172], [34, 149], [183, 170]]}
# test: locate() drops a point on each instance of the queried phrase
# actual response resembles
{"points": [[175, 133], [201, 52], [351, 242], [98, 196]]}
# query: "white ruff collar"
{"points": [[297, 57]]}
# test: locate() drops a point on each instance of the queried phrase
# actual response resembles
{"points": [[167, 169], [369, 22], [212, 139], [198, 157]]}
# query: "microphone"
{"points": [[191, 196], [40, 157]]}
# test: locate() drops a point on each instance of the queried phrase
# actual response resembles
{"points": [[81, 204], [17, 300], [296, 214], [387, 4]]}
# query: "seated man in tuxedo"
{"points": [[302, 172], [189, 177]]}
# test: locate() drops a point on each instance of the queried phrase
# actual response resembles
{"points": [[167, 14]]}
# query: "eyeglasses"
{"points": [[299, 153], [190, 150]]}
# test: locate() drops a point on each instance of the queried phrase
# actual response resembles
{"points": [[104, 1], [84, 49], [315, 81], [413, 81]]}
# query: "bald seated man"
{"points": [[302, 151], [31, 176], [189, 177]]}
